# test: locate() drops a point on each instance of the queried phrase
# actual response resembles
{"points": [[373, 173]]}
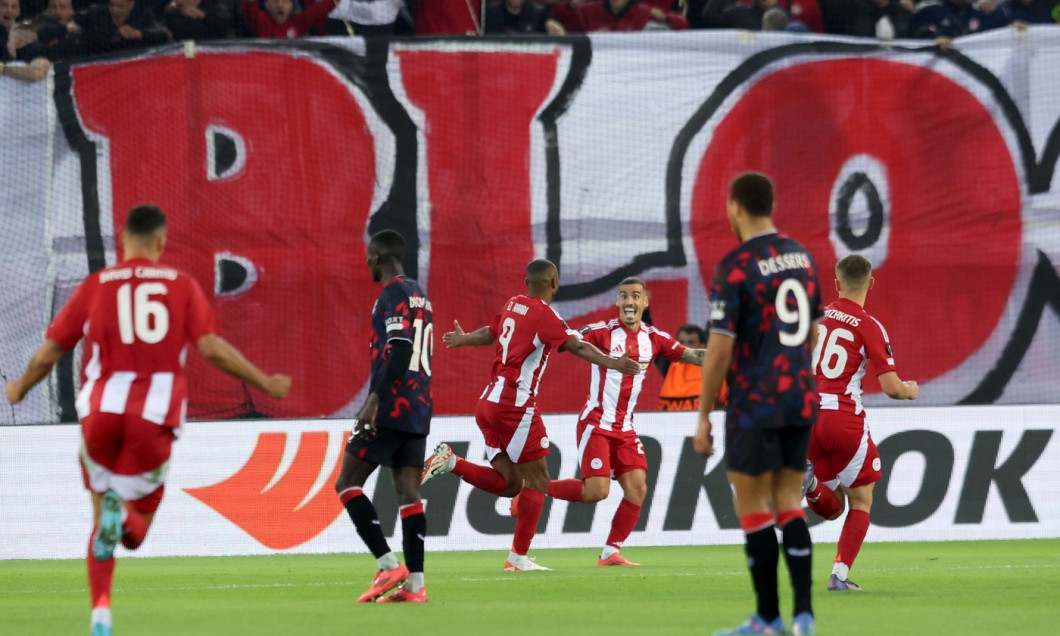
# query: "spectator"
{"points": [[364, 17], [804, 12], [448, 17], [1033, 11], [9, 12], [614, 15], [62, 11], [276, 20], [29, 59], [954, 18], [118, 26], [681, 380], [834, 15], [883, 19], [737, 14], [520, 17], [195, 20], [58, 31], [775, 19]]}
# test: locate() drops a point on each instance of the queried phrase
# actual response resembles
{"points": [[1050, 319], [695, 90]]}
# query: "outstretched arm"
{"points": [[896, 389], [35, 71], [40, 365], [587, 351], [458, 338], [694, 356], [228, 359]]}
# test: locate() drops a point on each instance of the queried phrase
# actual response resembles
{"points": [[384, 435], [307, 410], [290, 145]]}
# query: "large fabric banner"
{"points": [[609, 155], [958, 473]]}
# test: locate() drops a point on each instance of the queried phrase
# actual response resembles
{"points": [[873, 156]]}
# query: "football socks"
{"points": [[481, 477], [413, 531], [622, 524], [566, 489], [798, 553], [763, 554], [850, 539], [100, 576], [365, 519], [530, 505]]}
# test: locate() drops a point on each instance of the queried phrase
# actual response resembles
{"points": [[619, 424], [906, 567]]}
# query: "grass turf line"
{"points": [[987, 587]]}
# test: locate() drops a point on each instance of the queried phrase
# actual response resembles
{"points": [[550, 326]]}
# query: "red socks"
{"points": [[134, 529], [625, 519], [481, 477], [823, 501], [530, 504], [566, 489], [852, 536], [100, 576]]}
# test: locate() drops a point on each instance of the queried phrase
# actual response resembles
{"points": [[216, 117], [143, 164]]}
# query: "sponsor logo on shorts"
{"points": [[597, 463]]}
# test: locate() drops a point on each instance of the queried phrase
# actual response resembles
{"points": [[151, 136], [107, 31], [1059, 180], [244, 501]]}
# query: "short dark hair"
{"points": [[633, 280], [698, 331], [388, 243], [754, 192], [145, 220], [854, 270], [540, 268]]}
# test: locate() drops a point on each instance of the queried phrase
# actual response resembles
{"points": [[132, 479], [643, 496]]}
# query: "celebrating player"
{"points": [[842, 453], [764, 300], [391, 428], [608, 447], [136, 319], [525, 331]]}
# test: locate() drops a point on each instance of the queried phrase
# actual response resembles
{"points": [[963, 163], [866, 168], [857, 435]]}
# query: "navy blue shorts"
{"points": [[757, 451], [390, 448]]}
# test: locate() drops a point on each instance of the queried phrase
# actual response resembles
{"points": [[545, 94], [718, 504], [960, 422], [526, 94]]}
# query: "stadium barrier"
{"points": [[253, 487], [609, 155]]}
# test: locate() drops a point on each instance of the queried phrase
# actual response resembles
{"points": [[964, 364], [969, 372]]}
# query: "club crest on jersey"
{"points": [[717, 309]]}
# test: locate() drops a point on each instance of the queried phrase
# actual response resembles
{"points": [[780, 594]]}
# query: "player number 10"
{"points": [[422, 347], [139, 317]]}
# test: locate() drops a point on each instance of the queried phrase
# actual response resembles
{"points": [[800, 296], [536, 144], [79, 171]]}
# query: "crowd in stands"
{"points": [[33, 33]]}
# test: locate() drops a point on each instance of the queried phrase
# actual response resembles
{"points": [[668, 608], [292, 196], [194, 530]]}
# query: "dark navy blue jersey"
{"points": [[765, 294], [403, 312]]}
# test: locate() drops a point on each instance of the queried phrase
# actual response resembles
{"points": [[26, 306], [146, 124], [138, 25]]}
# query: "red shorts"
{"points": [[519, 432], [607, 454], [842, 451], [128, 455]]}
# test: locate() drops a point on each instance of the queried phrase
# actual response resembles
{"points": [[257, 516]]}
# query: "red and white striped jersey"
{"points": [[613, 395], [526, 331], [136, 319], [848, 338]]}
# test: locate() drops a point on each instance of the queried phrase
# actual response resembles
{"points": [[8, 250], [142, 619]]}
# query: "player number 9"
{"points": [[507, 329], [799, 317]]}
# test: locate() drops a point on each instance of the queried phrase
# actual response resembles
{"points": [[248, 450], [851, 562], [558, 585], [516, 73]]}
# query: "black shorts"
{"points": [[761, 450], [390, 448]]}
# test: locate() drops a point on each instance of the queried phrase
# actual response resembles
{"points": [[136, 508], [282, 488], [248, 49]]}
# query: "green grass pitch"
{"points": [[988, 587]]}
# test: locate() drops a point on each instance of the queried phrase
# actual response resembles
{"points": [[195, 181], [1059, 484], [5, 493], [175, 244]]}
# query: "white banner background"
{"points": [[616, 138]]}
